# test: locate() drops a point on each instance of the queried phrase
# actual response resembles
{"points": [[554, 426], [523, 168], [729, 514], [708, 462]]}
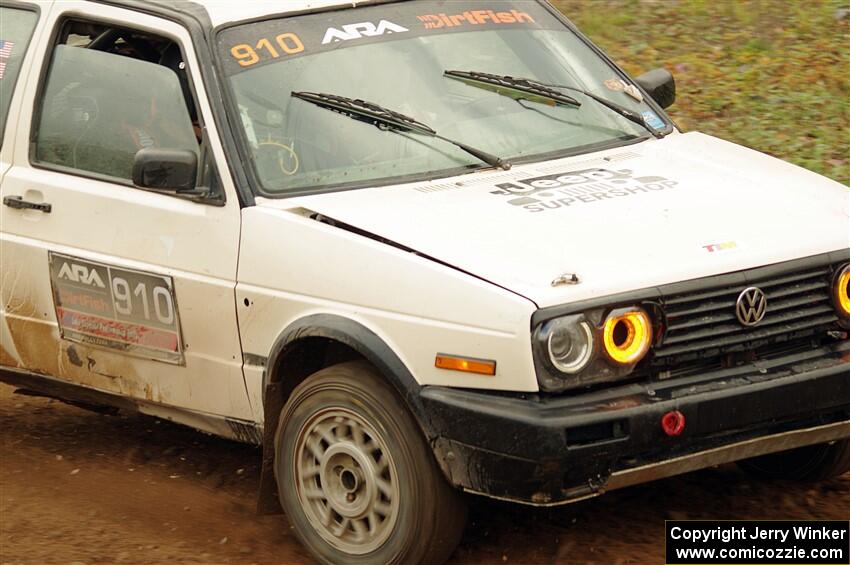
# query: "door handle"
{"points": [[18, 203]]}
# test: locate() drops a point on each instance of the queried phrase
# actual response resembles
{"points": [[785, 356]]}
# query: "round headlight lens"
{"points": [[626, 336], [570, 346], [841, 291]]}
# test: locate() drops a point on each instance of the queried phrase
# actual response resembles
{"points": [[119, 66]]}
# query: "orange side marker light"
{"points": [[465, 364]]}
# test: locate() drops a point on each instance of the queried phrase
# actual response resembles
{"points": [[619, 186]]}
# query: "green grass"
{"points": [[773, 75]]}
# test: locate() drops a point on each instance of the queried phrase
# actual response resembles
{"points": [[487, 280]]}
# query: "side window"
{"points": [[15, 33], [110, 92]]}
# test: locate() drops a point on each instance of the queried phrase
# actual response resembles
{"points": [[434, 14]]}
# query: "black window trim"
{"points": [[217, 198], [194, 18]]}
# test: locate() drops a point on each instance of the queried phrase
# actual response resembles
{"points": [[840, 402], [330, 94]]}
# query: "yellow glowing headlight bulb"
{"points": [[627, 336], [841, 292]]}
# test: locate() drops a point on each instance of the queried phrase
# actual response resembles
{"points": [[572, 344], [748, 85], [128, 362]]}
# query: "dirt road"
{"points": [[79, 487]]}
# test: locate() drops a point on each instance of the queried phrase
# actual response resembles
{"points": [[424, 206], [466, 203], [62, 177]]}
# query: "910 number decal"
{"points": [[247, 55], [131, 311], [125, 302]]}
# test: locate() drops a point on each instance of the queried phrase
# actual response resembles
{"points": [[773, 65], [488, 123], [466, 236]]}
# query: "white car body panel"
{"points": [[195, 244], [418, 307], [6, 155], [720, 192]]}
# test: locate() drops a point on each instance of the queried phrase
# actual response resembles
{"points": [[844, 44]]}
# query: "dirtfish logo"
{"points": [[475, 17], [562, 190], [80, 274], [363, 29]]}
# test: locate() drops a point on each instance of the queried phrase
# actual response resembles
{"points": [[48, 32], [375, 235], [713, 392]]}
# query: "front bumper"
{"points": [[553, 450]]}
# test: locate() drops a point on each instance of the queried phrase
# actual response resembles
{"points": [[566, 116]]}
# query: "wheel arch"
{"points": [[304, 347]]}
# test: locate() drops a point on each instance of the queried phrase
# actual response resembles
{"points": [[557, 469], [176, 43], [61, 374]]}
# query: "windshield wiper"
{"points": [[516, 88], [540, 91], [388, 120]]}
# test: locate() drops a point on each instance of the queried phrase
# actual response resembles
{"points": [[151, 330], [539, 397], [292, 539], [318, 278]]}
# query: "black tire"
{"points": [[811, 463], [329, 467]]}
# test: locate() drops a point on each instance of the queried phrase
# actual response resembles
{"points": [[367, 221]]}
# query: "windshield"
{"points": [[395, 55]]}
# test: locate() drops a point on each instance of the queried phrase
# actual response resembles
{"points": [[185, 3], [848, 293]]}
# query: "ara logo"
{"points": [[80, 274], [363, 29], [562, 190]]}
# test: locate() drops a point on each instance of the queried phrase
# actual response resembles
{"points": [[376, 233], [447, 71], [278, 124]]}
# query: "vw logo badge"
{"points": [[751, 306]]}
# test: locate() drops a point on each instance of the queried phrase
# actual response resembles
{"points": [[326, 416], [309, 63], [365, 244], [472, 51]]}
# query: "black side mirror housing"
{"points": [[173, 170], [659, 84]]}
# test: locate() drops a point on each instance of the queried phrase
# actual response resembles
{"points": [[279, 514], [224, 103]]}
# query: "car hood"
{"points": [[656, 212]]}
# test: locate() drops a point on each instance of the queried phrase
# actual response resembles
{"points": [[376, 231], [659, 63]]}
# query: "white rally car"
{"points": [[414, 249]]}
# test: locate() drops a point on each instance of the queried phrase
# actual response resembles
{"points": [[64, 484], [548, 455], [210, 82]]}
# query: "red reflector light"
{"points": [[673, 423]]}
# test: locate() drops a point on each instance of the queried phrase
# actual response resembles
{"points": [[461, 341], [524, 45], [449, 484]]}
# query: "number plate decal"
{"points": [[106, 306]]}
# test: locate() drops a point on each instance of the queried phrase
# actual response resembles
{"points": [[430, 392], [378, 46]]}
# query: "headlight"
{"points": [[626, 335], [841, 292], [570, 344], [592, 347]]}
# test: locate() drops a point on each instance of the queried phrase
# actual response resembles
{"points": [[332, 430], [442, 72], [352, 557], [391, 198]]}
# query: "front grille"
{"points": [[703, 323]]}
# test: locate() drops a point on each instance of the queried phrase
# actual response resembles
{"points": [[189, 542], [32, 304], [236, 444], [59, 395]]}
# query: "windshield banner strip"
{"points": [[253, 45]]}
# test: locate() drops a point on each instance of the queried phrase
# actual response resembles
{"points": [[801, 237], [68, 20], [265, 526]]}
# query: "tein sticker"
{"points": [[106, 306]]}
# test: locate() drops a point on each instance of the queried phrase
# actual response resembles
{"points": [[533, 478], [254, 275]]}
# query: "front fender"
{"points": [[357, 338]]}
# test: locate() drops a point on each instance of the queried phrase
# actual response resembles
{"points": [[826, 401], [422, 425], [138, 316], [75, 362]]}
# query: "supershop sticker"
{"points": [[576, 188]]}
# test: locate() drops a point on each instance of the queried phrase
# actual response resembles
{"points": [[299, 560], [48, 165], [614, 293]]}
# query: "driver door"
{"points": [[105, 285]]}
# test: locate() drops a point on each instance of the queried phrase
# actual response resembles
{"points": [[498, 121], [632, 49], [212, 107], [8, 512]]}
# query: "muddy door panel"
{"points": [[21, 25], [117, 288]]}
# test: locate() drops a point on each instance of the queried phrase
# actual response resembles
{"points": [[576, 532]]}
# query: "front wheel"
{"points": [[356, 477], [810, 463]]}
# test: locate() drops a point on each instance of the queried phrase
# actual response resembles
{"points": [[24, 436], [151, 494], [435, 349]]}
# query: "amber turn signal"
{"points": [[626, 336], [465, 364], [841, 292]]}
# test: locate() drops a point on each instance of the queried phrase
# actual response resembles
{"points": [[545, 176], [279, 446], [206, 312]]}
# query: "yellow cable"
{"points": [[280, 163]]}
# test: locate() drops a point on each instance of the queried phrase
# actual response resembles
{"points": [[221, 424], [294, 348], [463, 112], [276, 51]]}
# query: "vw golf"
{"points": [[416, 251]]}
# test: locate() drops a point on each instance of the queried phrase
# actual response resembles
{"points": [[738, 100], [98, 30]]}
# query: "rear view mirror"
{"points": [[659, 84], [165, 169]]}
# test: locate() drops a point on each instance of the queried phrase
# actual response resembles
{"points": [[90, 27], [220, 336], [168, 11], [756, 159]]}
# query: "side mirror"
{"points": [[659, 84], [165, 169]]}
